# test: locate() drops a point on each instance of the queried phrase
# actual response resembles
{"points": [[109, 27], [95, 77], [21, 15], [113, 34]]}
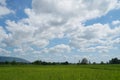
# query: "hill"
{"points": [[10, 59]]}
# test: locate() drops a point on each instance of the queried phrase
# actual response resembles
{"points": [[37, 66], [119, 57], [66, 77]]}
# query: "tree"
{"points": [[94, 63], [6, 62], [84, 61], [13, 62], [114, 61], [37, 62], [78, 62], [102, 62], [65, 63]]}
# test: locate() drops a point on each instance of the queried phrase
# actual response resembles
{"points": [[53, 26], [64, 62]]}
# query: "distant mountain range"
{"points": [[10, 59]]}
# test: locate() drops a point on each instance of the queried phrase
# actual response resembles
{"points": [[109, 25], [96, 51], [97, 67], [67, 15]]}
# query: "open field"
{"points": [[60, 72]]}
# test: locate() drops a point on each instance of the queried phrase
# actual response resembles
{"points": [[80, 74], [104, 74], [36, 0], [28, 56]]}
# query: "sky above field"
{"points": [[60, 30]]}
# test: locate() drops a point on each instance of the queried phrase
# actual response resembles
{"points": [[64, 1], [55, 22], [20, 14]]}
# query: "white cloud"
{"points": [[84, 9], [22, 33], [3, 2], [19, 33], [3, 8], [97, 37], [61, 48], [51, 19], [18, 51], [3, 35], [4, 52], [116, 41], [116, 22], [41, 43]]}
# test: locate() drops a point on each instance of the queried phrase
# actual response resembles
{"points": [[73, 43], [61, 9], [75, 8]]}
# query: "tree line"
{"points": [[83, 61]]}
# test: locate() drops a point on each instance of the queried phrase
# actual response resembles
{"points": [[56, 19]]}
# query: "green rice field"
{"points": [[60, 72]]}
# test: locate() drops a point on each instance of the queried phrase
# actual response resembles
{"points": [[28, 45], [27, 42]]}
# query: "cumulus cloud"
{"points": [[51, 19], [96, 37], [29, 34], [66, 9], [2, 2], [4, 52], [61, 48], [2, 33], [116, 22], [3, 8], [19, 33]]}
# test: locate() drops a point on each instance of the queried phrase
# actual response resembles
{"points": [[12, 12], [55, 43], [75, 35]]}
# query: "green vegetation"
{"points": [[41, 70], [60, 72]]}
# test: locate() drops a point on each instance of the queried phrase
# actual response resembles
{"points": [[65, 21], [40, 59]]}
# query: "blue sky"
{"points": [[60, 30]]}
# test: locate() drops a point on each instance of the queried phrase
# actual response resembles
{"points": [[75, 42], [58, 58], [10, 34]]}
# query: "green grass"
{"points": [[60, 72]]}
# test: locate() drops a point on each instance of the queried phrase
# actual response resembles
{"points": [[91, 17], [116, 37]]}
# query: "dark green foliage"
{"points": [[64, 63], [13, 62], [84, 61], [6, 62], [39, 62], [114, 61], [102, 62], [94, 63]]}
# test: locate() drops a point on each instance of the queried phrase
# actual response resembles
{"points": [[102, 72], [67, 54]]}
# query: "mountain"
{"points": [[10, 59]]}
